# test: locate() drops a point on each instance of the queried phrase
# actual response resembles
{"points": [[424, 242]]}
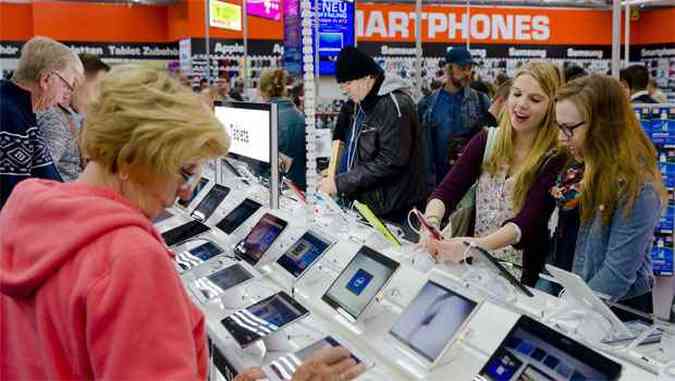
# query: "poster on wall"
{"points": [[268, 9], [224, 15], [292, 57], [336, 30]]}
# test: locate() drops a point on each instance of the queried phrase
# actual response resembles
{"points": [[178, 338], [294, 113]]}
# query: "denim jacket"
{"points": [[615, 259]]}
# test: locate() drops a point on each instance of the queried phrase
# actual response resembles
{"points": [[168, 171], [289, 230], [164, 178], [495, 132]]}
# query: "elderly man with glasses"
{"points": [[47, 73]]}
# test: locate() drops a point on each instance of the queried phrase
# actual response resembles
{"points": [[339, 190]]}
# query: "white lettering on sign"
{"points": [[397, 24], [86, 49], [387, 51], [664, 52], [536, 53], [226, 49], [8, 50], [573, 53]]}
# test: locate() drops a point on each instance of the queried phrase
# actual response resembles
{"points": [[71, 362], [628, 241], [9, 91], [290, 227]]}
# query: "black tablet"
{"points": [[210, 202], [304, 253], [188, 259], [260, 238], [263, 318], [238, 215], [533, 351], [182, 233]]}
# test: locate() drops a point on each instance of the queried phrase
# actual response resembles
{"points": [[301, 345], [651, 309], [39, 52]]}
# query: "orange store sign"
{"points": [[377, 22]]}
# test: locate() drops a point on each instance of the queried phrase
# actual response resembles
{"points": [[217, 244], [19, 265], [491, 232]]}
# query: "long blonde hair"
{"points": [[546, 140], [619, 158]]}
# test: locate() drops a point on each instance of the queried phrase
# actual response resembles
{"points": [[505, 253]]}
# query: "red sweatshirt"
{"points": [[88, 291]]}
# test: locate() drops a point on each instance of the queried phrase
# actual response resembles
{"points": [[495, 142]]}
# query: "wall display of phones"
{"points": [[303, 254], [533, 351], [210, 202], [431, 322], [238, 215], [214, 285], [187, 260], [358, 284], [283, 368], [260, 238], [184, 232], [263, 318], [200, 186]]}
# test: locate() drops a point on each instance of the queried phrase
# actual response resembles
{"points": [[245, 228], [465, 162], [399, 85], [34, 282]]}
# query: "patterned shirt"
{"points": [[23, 152], [60, 133]]}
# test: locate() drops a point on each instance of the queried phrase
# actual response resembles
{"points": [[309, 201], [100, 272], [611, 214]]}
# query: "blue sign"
{"points": [[336, 30]]}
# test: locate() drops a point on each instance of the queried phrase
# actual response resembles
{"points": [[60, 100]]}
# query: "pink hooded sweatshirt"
{"points": [[88, 291]]}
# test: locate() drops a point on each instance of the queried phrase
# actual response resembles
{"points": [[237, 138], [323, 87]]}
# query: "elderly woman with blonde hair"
{"points": [[88, 289]]}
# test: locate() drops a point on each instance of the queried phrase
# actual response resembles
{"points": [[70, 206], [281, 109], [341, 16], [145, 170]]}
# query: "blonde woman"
{"points": [[512, 200], [88, 289], [619, 193]]}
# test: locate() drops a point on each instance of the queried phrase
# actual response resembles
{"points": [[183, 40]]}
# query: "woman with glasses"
{"points": [[88, 289], [610, 195], [513, 167]]}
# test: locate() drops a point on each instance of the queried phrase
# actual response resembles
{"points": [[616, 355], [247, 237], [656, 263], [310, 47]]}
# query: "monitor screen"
{"points": [[365, 275], [260, 238], [533, 351], [200, 185], [431, 321], [303, 253], [249, 126], [210, 202], [263, 318], [238, 215]]}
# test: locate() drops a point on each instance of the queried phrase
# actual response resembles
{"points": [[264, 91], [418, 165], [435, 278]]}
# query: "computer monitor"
{"points": [[253, 132]]}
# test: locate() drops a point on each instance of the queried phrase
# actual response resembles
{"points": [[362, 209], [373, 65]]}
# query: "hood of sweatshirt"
{"points": [[46, 223]]}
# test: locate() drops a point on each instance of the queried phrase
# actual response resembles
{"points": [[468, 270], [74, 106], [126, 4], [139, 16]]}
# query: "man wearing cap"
{"points": [[456, 114], [384, 158]]}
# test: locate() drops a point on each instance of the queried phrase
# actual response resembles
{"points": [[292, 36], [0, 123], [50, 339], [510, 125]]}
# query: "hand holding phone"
{"points": [[427, 226]]}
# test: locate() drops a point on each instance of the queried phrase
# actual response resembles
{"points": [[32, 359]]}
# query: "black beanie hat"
{"points": [[354, 64]]}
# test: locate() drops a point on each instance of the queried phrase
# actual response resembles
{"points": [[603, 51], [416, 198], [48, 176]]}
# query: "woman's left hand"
{"points": [[251, 374]]}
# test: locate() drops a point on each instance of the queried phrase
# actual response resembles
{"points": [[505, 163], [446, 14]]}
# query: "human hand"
{"points": [[331, 364], [451, 250], [328, 186], [251, 374]]}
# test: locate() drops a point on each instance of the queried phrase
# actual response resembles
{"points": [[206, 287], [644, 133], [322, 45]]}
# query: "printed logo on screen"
{"points": [[239, 134], [359, 282]]}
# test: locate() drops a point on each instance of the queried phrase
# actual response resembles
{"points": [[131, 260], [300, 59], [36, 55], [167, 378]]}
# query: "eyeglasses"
{"points": [[568, 131], [188, 177], [70, 87]]}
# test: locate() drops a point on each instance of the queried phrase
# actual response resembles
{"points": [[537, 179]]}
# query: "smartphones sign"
{"points": [[269, 9]]}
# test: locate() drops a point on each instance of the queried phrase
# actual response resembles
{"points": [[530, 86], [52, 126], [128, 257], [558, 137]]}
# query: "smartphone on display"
{"points": [[200, 185], [216, 284], [260, 238], [360, 282], [263, 318], [210, 202], [238, 215], [304, 253], [282, 369], [165, 215], [182, 233], [188, 259]]}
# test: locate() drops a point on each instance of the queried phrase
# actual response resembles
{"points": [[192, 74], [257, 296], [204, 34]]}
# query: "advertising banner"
{"points": [[268, 9], [224, 15], [336, 30]]}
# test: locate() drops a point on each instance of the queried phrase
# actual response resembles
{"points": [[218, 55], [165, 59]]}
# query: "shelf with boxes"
{"points": [[658, 122]]}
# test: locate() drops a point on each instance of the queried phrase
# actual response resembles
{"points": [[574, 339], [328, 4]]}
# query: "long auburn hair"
{"points": [[548, 77], [619, 158]]}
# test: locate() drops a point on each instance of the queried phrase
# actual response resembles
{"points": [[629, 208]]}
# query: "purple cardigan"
{"points": [[532, 218]]}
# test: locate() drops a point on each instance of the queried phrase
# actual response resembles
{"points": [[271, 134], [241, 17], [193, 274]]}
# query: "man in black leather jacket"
{"points": [[383, 163]]}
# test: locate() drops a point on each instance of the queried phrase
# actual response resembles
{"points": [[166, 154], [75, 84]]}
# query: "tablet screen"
{"points": [[432, 320], [263, 318], [238, 215], [260, 238], [198, 255], [357, 285], [184, 232], [303, 253], [211, 201], [533, 351], [222, 280], [200, 185]]}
